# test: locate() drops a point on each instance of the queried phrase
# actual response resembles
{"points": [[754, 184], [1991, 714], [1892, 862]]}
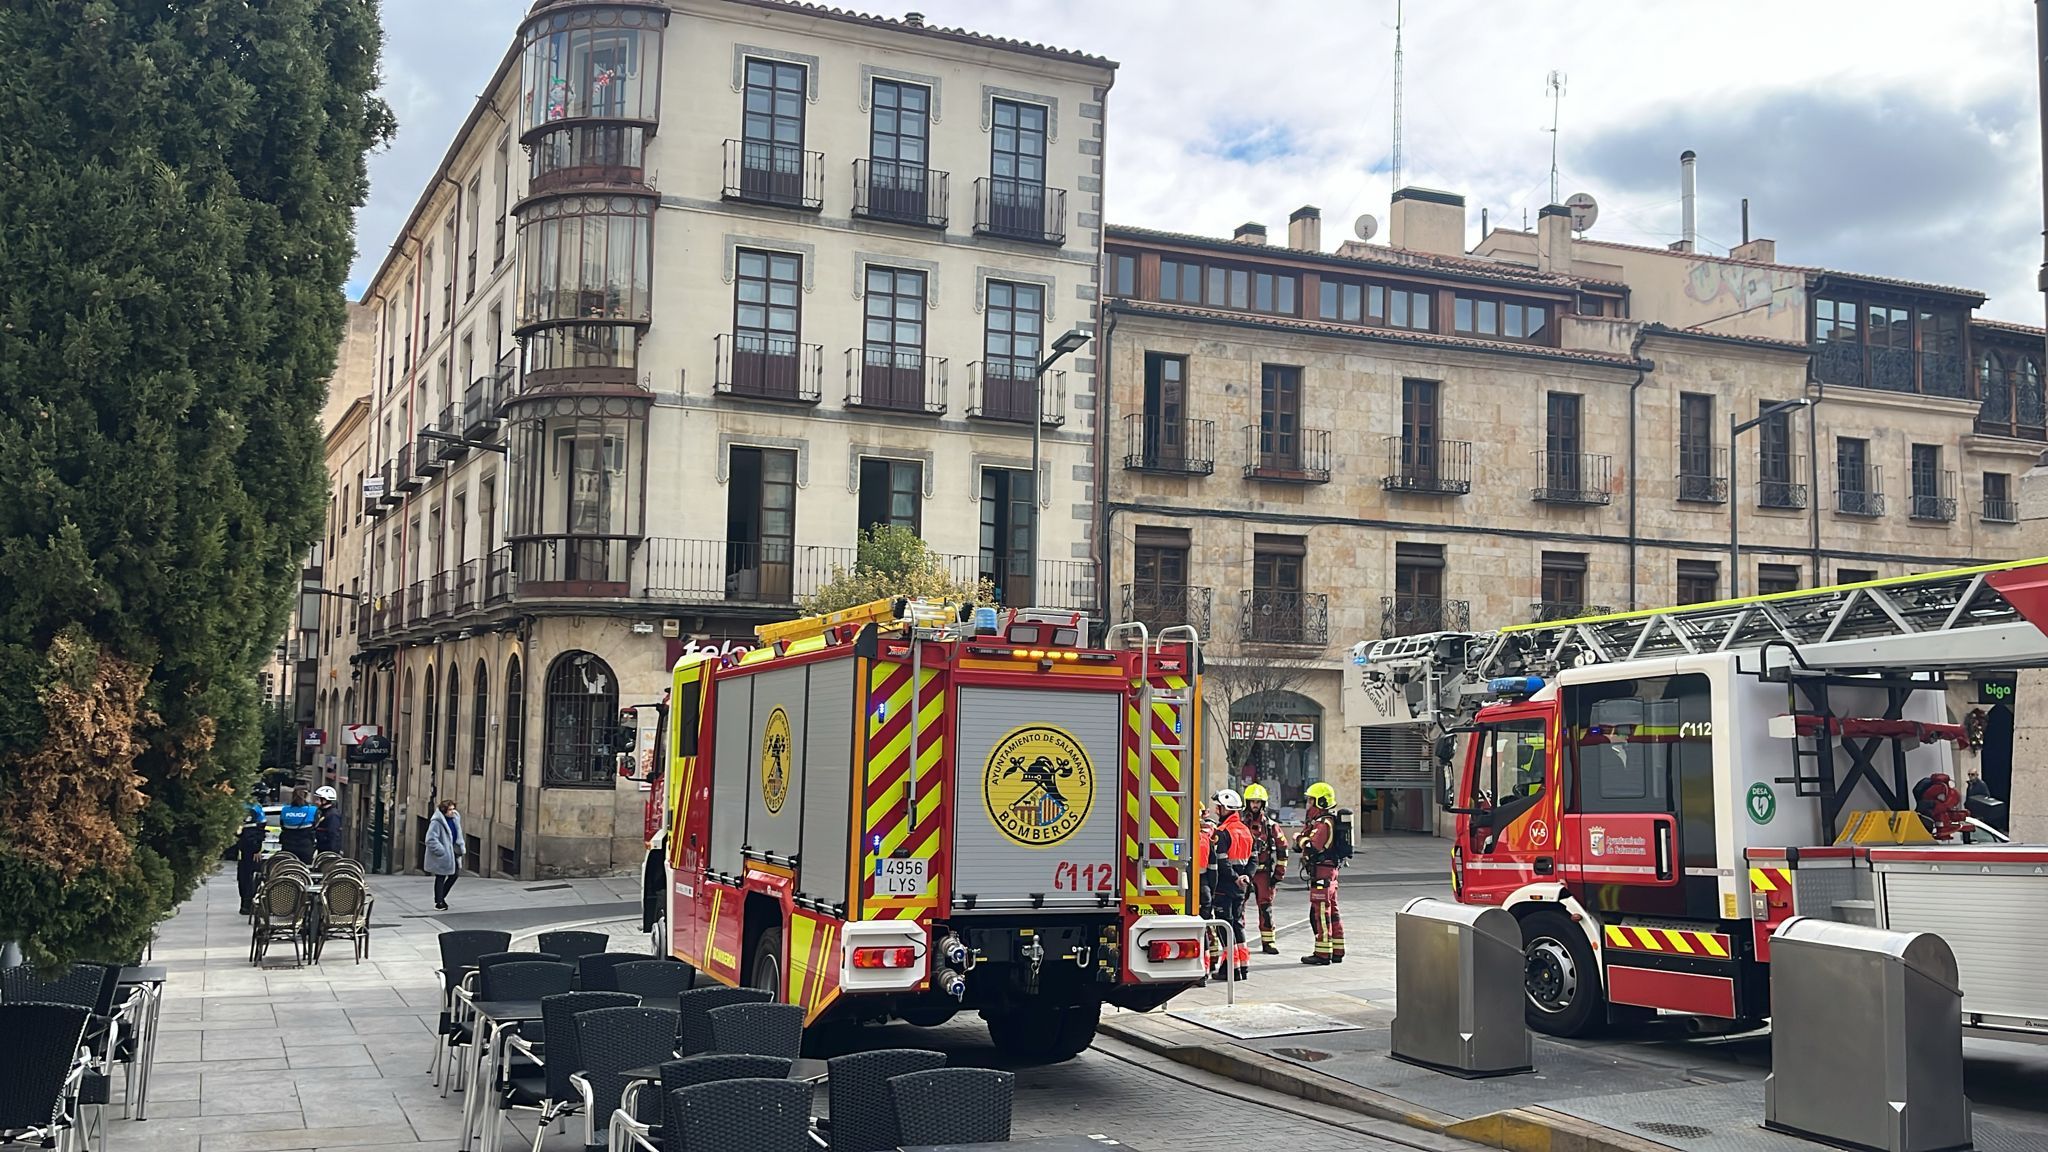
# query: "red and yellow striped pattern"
{"points": [[1770, 879], [1673, 940], [813, 963], [1149, 817], [885, 791]]}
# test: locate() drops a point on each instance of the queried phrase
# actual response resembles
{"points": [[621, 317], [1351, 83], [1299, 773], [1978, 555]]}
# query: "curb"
{"points": [[1529, 1129]]}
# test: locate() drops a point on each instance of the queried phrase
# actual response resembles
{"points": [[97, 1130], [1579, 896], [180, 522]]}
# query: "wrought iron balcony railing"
{"points": [[1020, 210], [1777, 487], [882, 379], [1934, 498], [1545, 611], [1160, 606], [1572, 478], [756, 367], [1428, 467], [784, 175], [899, 193], [1863, 496], [1702, 475], [1414, 615], [1303, 458], [1180, 447], [2001, 511], [1266, 616], [999, 389]]}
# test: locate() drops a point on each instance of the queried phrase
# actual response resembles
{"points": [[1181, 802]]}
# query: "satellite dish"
{"points": [[1365, 227], [1585, 211]]}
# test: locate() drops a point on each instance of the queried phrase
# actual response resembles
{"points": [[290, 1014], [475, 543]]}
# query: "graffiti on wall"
{"points": [[1742, 287]]}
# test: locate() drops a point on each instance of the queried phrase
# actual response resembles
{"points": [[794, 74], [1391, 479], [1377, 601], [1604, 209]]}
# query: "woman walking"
{"points": [[444, 851]]}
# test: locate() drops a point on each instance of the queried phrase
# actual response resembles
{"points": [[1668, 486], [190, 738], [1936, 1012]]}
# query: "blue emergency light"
{"points": [[1515, 685]]}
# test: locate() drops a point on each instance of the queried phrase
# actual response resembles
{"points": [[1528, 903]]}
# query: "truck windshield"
{"points": [[1510, 764]]}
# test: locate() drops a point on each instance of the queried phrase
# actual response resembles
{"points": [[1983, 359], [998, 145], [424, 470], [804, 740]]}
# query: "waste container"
{"points": [[1866, 1038], [1458, 989]]}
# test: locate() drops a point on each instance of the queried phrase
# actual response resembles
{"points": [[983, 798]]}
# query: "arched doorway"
{"points": [[582, 702], [1275, 739]]}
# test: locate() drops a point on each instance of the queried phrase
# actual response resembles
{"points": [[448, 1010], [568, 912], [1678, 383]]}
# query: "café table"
{"points": [[494, 1020]]}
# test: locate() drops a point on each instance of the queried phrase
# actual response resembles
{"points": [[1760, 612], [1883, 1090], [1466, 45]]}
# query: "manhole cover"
{"points": [[1675, 1131], [1307, 1055]]}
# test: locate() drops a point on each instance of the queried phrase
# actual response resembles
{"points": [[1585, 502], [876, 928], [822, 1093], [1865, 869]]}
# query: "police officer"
{"points": [[1269, 861], [1230, 859], [248, 848], [327, 827], [1317, 841], [295, 825]]}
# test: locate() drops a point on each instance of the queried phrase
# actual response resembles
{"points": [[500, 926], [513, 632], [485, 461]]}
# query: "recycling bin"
{"points": [[1458, 989], [1866, 1038]]}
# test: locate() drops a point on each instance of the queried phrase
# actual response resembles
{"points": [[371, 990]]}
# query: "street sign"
{"points": [[354, 733], [314, 737], [370, 749]]}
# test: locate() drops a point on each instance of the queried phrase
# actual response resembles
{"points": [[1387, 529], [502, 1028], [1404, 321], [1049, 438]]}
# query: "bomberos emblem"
{"points": [[1038, 785], [775, 761]]}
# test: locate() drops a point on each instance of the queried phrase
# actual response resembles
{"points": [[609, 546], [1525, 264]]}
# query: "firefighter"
{"points": [[1319, 841], [1230, 859], [1269, 861]]}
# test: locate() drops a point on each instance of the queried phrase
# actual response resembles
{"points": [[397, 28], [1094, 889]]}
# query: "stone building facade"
{"points": [[701, 289], [1308, 449]]}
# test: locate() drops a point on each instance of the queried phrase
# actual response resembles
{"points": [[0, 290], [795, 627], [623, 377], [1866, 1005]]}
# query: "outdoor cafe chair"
{"points": [[954, 1105]]}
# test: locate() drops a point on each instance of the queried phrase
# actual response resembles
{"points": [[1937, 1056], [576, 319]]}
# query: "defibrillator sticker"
{"points": [[775, 761], [1038, 785]]}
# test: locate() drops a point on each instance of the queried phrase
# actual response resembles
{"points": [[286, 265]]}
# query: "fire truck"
{"points": [[1653, 793], [911, 809]]}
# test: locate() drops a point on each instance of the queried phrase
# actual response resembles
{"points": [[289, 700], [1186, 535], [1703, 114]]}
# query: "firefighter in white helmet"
{"points": [[1230, 861]]}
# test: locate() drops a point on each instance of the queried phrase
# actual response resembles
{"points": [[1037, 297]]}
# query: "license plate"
{"points": [[901, 877]]}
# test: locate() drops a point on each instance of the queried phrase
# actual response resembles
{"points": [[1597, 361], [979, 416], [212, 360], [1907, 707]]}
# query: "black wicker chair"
{"points": [[613, 1040], [694, 1007], [594, 970], [549, 1089], [758, 1029], [459, 952], [644, 1111], [863, 1111], [954, 1105], [344, 913], [112, 1031], [760, 1115], [570, 945], [653, 978], [522, 978], [281, 908], [38, 1080]]}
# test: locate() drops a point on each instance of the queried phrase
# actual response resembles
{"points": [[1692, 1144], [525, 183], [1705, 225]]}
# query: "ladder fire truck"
{"points": [[910, 809], [1653, 793]]}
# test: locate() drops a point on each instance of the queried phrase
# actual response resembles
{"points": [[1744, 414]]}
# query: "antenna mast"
{"points": [[1397, 95], [1555, 87]]}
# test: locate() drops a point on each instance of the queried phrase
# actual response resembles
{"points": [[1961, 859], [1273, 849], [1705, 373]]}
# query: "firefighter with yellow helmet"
{"points": [[1269, 860], [1324, 843]]}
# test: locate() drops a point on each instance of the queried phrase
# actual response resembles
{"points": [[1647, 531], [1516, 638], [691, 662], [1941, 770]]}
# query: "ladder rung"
{"points": [[1169, 698]]}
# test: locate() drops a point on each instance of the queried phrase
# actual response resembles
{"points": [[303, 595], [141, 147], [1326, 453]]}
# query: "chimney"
{"points": [[1426, 220], [1760, 250], [1688, 194], [914, 19], [1250, 232], [1554, 239], [1305, 229]]}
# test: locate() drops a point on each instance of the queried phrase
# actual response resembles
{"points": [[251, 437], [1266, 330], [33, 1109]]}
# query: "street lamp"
{"points": [[1735, 489], [1068, 342]]}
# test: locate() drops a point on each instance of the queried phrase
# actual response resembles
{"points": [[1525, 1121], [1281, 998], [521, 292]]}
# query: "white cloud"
{"points": [[1317, 75]]}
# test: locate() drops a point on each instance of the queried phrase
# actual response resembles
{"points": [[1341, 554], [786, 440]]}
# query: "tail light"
{"points": [[1162, 951], [884, 957]]}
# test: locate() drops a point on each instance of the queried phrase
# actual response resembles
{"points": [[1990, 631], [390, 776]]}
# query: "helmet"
{"points": [[252, 816], [1321, 793], [1229, 800], [326, 793], [1255, 792]]}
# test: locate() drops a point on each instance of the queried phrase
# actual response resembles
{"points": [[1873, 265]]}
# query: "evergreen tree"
{"points": [[178, 181]]}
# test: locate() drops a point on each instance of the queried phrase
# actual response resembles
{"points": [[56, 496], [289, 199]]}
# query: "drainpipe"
{"points": [[1814, 391], [1643, 367], [1103, 424]]}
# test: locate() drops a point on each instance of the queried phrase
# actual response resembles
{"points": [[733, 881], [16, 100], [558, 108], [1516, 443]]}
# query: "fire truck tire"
{"points": [[1045, 1036], [1560, 976], [765, 970]]}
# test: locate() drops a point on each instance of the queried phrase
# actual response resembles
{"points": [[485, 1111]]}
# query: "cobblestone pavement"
{"points": [[280, 1059]]}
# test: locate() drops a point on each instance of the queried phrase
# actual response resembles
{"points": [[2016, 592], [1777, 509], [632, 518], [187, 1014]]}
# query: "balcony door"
{"points": [[1007, 505], [760, 525], [1774, 449], [1016, 201], [772, 151], [1277, 562], [1562, 443], [1013, 340], [1695, 446], [1280, 417], [1166, 403], [767, 311], [899, 137], [1159, 578], [1418, 601], [892, 350], [1419, 423], [890, 493]]}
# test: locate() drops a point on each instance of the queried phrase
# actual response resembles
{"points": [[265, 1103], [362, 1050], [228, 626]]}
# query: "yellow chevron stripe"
{"points": [[1678, 942], [1616, 937], [1760, 880], [1712, 945], [802, 932], [1647, 939]]}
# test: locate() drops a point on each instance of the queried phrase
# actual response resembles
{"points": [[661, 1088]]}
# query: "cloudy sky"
{"points": [[1868, 135]]}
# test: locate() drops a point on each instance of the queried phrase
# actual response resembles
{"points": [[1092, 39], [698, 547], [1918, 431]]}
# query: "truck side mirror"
{"points": [[629, 730]]}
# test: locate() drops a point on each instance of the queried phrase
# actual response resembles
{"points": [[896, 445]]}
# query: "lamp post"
{"points": [[1735, 489], [1069, 341]]}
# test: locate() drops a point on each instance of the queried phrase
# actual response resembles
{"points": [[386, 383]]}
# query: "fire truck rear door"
{"points": [[1036, 803]]}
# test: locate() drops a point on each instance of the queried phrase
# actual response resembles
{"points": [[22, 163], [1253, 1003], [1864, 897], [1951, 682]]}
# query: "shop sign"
{"points": [[1285, 732]]}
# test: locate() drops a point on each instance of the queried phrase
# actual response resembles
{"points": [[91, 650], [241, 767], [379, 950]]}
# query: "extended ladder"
{"points": [[1160, 854]]}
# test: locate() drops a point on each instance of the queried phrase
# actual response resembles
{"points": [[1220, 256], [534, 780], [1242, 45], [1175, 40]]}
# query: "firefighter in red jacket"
{"points": [[1317, 840], [1230, 861], [1269, 861]]}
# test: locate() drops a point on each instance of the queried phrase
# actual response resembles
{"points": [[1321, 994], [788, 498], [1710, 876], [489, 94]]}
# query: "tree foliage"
{"points": [[176, 223], [893, 561]]}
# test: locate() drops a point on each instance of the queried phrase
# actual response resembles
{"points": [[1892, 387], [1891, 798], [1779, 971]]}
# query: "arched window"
{"points": [[453, 721], [582, 709], [348, 706], [514, 744], [479, 720], [427, 720]]}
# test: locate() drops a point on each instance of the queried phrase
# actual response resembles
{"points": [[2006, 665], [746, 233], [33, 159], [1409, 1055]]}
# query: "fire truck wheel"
{"points": [[766, 971], [1560, 975], [1045, 1036]]}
